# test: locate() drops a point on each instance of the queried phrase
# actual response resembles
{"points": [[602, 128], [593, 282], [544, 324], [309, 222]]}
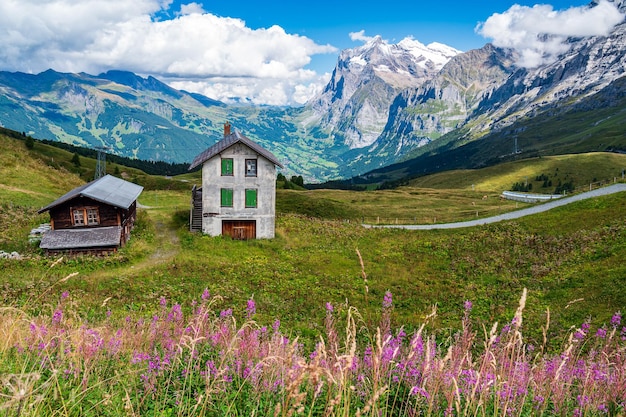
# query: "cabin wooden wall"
{"points": [[61, 215]]}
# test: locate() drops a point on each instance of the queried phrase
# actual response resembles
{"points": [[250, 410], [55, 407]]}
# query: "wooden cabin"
{"points": [[238, 193], [95, 218]]}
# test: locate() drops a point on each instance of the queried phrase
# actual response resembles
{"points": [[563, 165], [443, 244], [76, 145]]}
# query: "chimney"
{"points": [[226, 129]]}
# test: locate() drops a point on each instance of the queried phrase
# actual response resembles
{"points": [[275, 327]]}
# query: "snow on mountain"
{"points": [[383, 102], [442, 104], [354, 107], [483, 91], [590, 64]]}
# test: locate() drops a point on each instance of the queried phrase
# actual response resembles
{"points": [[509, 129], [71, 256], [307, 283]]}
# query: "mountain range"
{"points": [[388, 111]]}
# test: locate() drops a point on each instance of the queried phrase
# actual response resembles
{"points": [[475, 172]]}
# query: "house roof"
{"points": [[229, 141], [81, 238], [108, 189]]}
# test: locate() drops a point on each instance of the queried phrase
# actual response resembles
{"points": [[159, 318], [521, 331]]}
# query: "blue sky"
{"points": [[324, 21], [270, 52], [451, 22]]}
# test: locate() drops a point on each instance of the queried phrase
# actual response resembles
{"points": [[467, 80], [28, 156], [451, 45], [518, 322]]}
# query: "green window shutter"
{"points": [[227, 197], [227, 166], [250, 197]]}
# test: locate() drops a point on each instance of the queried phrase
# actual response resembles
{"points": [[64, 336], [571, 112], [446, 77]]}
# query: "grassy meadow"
{"points": [[327, 318]]}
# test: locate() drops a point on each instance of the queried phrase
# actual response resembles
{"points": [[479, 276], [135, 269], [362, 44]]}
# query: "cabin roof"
{"points": [[108, 189], [229, 141], [92, 237]]}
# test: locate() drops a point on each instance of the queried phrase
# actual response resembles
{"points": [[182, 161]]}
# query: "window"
{"points": [[250, 197], [79, 217], [227, 166], [226, 197], [85, 216], [250, 167], [92, 216]]}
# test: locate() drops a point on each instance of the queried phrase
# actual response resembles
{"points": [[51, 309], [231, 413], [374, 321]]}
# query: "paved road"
{"points": [[615, 188]]}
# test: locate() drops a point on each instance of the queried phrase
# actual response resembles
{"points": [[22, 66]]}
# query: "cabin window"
{"points": [[226, 197], [85, 216], [227, 166], [79, 217], [92, 216], [251, 197], [250, 167]]}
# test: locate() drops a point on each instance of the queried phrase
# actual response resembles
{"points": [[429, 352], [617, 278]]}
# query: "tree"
{"points": [[30, 142], [76, 160], [297, 180]]}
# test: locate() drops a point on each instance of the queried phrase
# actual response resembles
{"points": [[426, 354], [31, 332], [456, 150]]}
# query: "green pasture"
{"points": [[570, 259]]}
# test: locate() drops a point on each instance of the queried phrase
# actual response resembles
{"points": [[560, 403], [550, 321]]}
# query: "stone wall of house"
{"points": [[264, 182]]}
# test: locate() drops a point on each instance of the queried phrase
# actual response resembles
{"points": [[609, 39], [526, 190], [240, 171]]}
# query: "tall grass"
{"points": [[196, 360]]}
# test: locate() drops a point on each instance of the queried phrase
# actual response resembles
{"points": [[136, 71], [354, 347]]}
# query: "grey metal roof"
{"points": [[229, 141], [81, 238], [108, 189]]}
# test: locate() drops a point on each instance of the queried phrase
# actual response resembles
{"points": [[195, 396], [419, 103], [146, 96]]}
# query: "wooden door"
{"points": [[239, 229]]}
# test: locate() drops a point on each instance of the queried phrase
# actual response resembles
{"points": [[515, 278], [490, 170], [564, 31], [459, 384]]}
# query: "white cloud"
{"points": [[256, 91], [360, 36], [191, 8], [195, 47], [539, 33]]}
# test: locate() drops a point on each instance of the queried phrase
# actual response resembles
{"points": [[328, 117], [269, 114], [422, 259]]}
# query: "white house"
{"points": [[238, 193]]}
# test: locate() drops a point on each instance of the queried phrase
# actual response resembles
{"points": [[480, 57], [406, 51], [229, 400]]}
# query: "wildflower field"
{"points": [[198, 361]]}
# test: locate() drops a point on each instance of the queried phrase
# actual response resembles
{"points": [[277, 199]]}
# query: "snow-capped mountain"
{"points": [[482, 91], [444, 103], [354, 106], [590, 64], [383, 104]]}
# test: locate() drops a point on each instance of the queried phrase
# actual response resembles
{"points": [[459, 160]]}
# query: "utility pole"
{"points": [[101, 164]]}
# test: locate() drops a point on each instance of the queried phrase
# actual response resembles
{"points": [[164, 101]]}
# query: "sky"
{"points": [[265, 52]]}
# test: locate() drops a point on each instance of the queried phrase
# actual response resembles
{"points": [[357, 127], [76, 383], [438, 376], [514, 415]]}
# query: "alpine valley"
{"points": [[389, 111]]}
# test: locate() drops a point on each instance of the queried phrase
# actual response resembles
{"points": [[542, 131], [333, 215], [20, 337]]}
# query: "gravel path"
{"points": [[615, 188]]}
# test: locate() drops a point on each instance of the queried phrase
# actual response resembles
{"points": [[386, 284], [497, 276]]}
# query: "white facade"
{"points": [[252, 191]]}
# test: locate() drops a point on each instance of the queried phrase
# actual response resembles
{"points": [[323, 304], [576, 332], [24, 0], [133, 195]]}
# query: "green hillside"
{"points": [[570, 253], [581, 169]]}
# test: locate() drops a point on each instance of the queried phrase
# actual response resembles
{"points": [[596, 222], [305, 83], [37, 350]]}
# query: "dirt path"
{"points": [[165, 247]]}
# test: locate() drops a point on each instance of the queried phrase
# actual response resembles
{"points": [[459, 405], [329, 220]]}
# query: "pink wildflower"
{"points": [[387, 300], [616, 320], [251, 308]]}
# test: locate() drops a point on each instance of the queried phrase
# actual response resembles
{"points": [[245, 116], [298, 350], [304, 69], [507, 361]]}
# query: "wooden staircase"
{"points": [[195, 219]]}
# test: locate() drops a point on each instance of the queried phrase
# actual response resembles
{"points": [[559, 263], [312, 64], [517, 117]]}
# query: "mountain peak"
{"points": [[376, 40], [409, 51], [355, 103], [137, 82]]}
